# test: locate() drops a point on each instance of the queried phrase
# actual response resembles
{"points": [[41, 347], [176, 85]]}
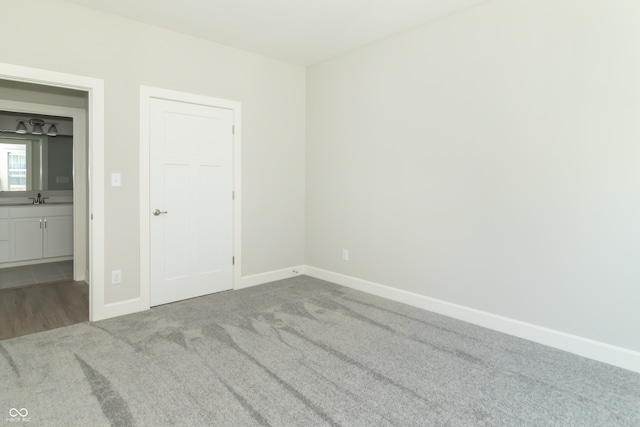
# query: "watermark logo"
{"points": [[18, 415]]}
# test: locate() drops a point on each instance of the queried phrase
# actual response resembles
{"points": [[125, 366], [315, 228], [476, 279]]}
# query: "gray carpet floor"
{"points": [[303, 352]]}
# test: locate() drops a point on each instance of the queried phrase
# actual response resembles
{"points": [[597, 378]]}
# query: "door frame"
{"points": [[95, 168], [146, 94]]}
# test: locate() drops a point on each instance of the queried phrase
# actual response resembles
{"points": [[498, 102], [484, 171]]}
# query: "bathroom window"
{"points": [[17, 171]]}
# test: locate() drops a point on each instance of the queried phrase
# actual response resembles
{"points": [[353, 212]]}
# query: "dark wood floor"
{"points": [[41, 307]]}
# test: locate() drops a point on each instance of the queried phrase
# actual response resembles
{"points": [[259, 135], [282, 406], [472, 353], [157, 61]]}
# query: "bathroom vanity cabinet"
{"points": [[36, 232]]}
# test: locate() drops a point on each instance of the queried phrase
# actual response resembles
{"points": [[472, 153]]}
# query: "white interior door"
{"points": [[191, 205]]}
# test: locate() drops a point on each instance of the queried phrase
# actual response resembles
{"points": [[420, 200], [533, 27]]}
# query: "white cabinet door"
{"points": [[58, 236], [26, 239], [4, 240]]}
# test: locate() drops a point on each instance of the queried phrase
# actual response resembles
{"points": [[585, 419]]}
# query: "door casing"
{"points": [[95, 140], [146, 94]]}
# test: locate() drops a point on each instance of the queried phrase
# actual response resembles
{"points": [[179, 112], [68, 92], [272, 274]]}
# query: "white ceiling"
{"points": [[299, 31]]}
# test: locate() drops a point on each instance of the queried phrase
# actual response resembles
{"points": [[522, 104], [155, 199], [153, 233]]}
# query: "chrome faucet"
{"points": [[38, 200]]}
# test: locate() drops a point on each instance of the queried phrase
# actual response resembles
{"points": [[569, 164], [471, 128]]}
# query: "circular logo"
{"points": [[13, 412]]}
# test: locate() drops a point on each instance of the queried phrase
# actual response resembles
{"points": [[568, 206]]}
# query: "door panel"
{"points": [[191, 180], [211, 209], [176, 221]]}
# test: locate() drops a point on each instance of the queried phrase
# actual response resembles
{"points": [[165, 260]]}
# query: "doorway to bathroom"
{"points": [[94, 191], [37, 193], [43, 208]]}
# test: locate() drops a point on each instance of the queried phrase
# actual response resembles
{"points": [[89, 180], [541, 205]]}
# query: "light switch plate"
{"points": [[116, 277], [116, 179]]}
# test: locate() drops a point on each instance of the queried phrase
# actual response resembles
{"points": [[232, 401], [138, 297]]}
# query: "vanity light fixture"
{"points": [[21, 128], [53, 130], [37, 127]]}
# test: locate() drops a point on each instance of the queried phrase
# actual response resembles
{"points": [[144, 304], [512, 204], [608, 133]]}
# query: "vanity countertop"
{"points": [[13, 203], [31, 204]]}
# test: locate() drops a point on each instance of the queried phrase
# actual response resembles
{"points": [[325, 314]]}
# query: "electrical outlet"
{"points": [[345, 254], [116, 277]]}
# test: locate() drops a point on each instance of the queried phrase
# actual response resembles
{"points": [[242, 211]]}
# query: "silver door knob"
{"points": [[158, 212]]}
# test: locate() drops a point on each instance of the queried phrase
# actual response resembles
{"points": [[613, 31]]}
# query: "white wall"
{"points": [[490, 159], [126, 55]]}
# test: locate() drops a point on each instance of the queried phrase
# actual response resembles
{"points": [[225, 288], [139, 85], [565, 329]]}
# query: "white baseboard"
{"points": [[118, 309], [135, 305], [271, 276], [36, 261], [602, 352]]}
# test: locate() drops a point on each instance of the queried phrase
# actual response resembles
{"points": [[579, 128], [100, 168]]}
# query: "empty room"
{"points": [[297, 213]]}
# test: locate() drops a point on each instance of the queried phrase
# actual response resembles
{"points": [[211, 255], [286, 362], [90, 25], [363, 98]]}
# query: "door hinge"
{"points": [[233, 195], [91, 216], [233, 260], [233, 129]]}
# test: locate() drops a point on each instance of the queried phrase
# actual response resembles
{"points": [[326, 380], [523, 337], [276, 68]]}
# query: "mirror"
{"points": [[36, 162]]}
